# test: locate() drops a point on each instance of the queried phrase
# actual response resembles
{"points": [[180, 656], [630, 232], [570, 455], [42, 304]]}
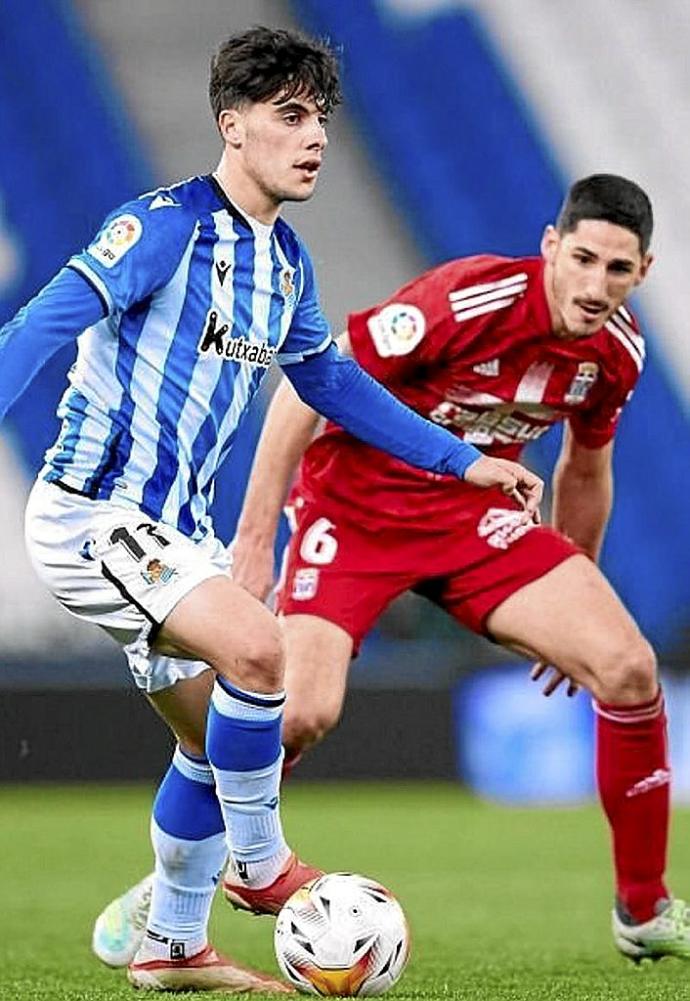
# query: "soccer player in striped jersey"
{"points": [[183, 300], [498, 350]]}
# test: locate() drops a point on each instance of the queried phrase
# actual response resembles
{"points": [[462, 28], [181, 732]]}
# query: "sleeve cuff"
{"points": [[96, 283], [294, 357]]}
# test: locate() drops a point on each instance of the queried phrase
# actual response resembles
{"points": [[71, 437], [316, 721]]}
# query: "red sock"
{"points": [[634, 785]]}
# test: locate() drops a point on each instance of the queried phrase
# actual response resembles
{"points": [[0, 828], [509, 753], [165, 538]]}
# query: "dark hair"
{"points": [[262, 62], [612, 198]]}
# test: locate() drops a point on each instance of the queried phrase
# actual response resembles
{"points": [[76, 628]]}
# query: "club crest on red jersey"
{"points": [[587, 372]]}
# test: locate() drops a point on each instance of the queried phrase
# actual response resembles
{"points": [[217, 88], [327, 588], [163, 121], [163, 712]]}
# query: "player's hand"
{"points": [[252, 566], [554, 679], [513, 479]]}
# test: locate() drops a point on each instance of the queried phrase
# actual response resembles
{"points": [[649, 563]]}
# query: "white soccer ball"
{"points": [[342, 934]]}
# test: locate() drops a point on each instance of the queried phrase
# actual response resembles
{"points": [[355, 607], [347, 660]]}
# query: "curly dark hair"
{"points": [[262, 62], [612, 198]]}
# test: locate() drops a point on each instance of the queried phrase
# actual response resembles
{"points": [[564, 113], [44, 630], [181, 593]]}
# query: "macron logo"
{"points": [[660, 777], [162, 202]]}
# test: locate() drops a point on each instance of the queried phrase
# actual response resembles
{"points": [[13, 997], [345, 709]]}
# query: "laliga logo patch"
{"points": [[397, 329], [117, 238], [157, 572], [587, 372]]}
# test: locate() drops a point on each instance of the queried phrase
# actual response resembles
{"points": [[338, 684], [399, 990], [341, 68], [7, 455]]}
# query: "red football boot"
{"points": [[269, 899], [207, 971]]}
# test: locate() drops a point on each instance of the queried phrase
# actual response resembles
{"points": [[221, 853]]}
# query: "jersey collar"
{"points": [[249, 222], [229, 206]]}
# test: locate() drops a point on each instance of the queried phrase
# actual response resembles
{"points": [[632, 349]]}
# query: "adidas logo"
{"points": [[659, 777], [490, 368]]}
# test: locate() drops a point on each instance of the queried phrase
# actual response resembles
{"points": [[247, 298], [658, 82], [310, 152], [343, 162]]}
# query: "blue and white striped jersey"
{"points": [[199, 300]]}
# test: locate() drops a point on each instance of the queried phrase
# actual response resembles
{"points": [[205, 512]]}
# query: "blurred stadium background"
{"points": [[462, 126]]}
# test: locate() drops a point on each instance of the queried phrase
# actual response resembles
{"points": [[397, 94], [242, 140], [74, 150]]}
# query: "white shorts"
{"points": [[116, 567]]}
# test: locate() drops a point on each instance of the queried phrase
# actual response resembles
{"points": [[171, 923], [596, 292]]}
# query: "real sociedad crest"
{"points": [[287, 285]]}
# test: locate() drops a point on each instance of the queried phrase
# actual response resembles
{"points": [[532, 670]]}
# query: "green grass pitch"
{"points": [[504, 904]]}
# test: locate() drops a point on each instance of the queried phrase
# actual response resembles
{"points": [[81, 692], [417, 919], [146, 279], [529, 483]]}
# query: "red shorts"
{"points": [[348, 573]]}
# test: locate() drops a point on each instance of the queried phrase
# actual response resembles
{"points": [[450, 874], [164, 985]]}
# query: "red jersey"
{"points": [[470, 346]]}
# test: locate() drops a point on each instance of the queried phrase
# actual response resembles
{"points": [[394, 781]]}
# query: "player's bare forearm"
{"points": [[582, 505], [583, 492], [288, 429]]}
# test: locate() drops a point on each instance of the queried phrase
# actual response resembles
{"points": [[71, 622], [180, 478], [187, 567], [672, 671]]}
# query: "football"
{"points": [[342, 934]]}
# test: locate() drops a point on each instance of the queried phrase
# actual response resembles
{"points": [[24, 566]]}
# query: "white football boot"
{"points": [[206, 971], [666, 934], [119, 929]]}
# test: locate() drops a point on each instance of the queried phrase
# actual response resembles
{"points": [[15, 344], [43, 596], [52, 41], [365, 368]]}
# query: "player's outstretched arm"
{"points": [[65, 307], [340, 389], [288, 429]]}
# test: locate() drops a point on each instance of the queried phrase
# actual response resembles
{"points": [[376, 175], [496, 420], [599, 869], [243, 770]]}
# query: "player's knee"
{"points": [[257, 662], [630, 675], [305, 725], [264, 657]]}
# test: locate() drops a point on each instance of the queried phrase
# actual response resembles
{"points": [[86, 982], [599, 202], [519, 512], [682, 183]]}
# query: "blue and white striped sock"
{"points": [[243, 747], [188, 838]]}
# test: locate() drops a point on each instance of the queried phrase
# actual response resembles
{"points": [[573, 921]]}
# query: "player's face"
{"points": [[589, 273], [276, 149]]}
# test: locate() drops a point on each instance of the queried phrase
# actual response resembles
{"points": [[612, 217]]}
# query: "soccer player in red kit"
{"points": [[497, 350]]}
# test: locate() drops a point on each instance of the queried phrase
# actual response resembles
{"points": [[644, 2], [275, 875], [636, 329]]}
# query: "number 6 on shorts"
{"points": [[319, 547]]}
